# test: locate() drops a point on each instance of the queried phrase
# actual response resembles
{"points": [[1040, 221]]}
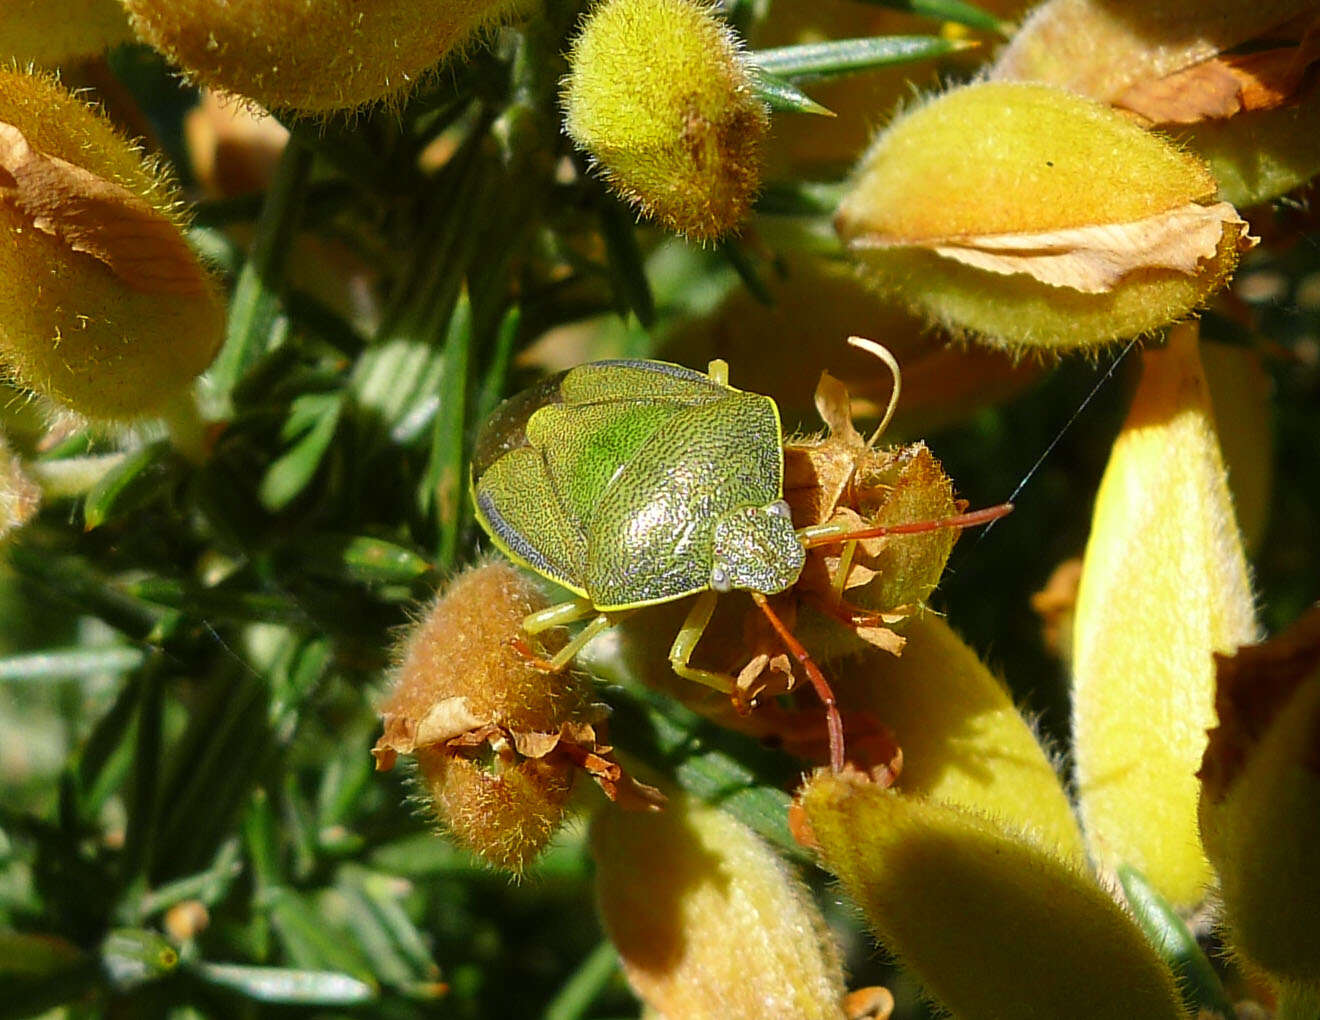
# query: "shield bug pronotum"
{"points": [[632, 483]]}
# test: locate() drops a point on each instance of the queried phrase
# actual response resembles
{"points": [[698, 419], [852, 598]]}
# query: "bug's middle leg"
{"points": [[680, 652]]}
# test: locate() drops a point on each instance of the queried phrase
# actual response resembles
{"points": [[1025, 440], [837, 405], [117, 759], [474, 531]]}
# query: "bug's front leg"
{"points": [[556, 616], [680, 652]]}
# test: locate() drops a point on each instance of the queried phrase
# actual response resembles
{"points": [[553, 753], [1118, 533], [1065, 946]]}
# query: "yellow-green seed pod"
{"points": [[709, 922], [994, 926], [312, 57], [104, 308], [657, 93], [53, 32], [1034, 218], [1260, 802], [964, 742], [1164, 586], [488, 729]]}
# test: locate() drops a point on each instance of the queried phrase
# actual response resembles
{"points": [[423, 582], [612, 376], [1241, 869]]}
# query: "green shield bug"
{"points": [[632, 483]]}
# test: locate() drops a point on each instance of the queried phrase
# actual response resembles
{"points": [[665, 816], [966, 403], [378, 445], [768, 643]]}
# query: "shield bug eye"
{"points": [[719, 578], [779, 508]]}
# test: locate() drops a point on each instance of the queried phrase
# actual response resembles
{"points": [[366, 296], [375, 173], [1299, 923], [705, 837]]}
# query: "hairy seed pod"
{"points": [[312, 57], [104, 308], [490, 732], [658, 94], [1229, 80]]}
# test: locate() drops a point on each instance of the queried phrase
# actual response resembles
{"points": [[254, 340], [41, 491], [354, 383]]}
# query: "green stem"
{"points": [[183, 421], [72, 477], [585, 985], [254, 308]]}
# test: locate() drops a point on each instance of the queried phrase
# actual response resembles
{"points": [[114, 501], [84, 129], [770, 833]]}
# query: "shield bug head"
{"points": [[756, 548]]}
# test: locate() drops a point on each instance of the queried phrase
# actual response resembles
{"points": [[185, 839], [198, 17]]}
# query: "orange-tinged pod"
{"points": [[709, 922], [498, 741], [1101, 48], [53, 32], [1164, 586], [463, 700], [312, 57], [964, 903], [104, 308]]}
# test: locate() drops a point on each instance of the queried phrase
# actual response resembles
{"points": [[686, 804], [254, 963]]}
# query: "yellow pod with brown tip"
{"points": [[487, 728], [1033, 218], [964, 741], [1260, 802], [1101, 48], [994, 926], [709, 922], [53, 32], [659, 96], [312, 57], [104, 308], [1164, 586], [1226, 78]]}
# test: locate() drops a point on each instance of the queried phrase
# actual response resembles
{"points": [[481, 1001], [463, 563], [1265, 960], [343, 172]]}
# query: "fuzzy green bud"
{"points": [[313, 57], [104, 308], [659, 95], [1260, 801], [1032, 217], [963, 903]]}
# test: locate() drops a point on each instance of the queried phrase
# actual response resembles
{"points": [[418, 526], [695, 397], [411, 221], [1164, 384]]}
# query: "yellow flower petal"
{"points": [[1164, 585]]}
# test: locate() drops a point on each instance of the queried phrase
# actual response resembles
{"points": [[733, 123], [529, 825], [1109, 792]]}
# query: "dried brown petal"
{"points": [[1252, 685], [1094, 259], [98, 218]]}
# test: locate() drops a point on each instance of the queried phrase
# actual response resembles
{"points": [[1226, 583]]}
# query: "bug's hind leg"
{"points": [[680, 652], [833, 721], [556, 616]]}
